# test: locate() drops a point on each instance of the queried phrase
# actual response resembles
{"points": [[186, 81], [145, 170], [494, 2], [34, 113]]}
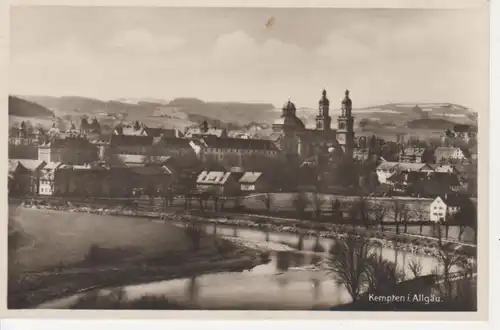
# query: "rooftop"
{"points": [[213, 177], [137, 140], [233, 143], [173, 142], [250, 177], [30, 164], [197, 131]]}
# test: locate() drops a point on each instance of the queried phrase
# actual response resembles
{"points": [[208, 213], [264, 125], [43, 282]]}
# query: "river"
{"points": [[292, 279]]}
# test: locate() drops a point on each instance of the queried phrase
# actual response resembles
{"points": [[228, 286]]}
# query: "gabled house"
{"points": [[219, 183], [54, 179], [252, 182], [400, 181], [444, 155], [446, 168], [24, 176], [444, 207], [386, 170], [150, 180]]}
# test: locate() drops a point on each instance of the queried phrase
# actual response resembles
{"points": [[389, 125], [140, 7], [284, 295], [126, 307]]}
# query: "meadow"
{"points": [[53, 239]]}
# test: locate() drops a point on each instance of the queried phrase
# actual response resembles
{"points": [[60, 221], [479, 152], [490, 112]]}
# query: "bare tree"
{"points": [[267, 200], [378, 213], [418, 213], [406, 215], [360, 211], [415, 267], [347, 261], [318, 202], [401, 212], [448, 258], [382, 275], [336, 212], [300, 201], [194, 233]]}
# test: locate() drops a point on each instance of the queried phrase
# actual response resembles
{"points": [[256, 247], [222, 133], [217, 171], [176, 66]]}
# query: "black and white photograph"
{"points": [[249, 159]]}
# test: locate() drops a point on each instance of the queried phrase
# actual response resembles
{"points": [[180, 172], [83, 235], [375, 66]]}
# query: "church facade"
{"points": [[300, 143]]}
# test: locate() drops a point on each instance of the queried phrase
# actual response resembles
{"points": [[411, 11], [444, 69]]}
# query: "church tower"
{"points": [[323, 119], [345, 130]]}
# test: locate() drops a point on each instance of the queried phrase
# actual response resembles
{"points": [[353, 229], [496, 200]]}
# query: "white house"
{"points": [[444, 154], [446, 168], [386, 170], [442, 208], [252, 182], [49, 178]]}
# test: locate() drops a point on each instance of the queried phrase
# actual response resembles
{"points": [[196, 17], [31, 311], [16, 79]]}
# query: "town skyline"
{"points": [[251, 55]]}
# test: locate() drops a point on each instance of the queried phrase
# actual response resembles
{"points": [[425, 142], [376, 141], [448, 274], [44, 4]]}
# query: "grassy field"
{"points": [[52, 238]]}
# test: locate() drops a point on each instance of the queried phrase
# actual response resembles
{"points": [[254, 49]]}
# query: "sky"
{"points": [[251, 54]]}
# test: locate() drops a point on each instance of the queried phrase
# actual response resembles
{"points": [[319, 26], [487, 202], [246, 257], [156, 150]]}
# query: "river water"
{"points": [[292, 279]]}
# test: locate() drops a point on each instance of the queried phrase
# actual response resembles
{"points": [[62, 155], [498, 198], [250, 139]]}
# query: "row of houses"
{"points": [[440, 155], [426, 180], [131, 178], [227, 152]]}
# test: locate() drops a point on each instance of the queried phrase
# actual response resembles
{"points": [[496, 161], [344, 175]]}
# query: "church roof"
{"points": [[324, 100], [289, 105], [232, 143], [289, 121], [346, 100]]}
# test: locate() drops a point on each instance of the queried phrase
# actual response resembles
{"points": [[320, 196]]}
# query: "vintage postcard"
{"points": [[202, 159]]}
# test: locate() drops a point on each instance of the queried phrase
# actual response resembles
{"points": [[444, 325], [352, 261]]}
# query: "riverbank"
{"points": [[33, 289], [404, 242], [69, 254]]}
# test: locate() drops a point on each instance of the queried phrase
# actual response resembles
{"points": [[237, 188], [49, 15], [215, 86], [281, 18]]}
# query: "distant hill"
{"points": [[430, 123], [229, 112], [23, 108], [70, 105], [186, 111]]}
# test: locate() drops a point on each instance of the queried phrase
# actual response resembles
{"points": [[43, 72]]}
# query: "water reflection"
{"points": [[316, 289], [282, 282], [288, 259], [300, 244], [192, 289]]}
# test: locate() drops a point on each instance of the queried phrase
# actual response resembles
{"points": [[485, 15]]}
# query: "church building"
{"points": [[300, 143]]}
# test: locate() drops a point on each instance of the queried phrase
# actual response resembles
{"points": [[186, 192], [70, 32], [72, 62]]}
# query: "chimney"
{"points": [[445, 197]]}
